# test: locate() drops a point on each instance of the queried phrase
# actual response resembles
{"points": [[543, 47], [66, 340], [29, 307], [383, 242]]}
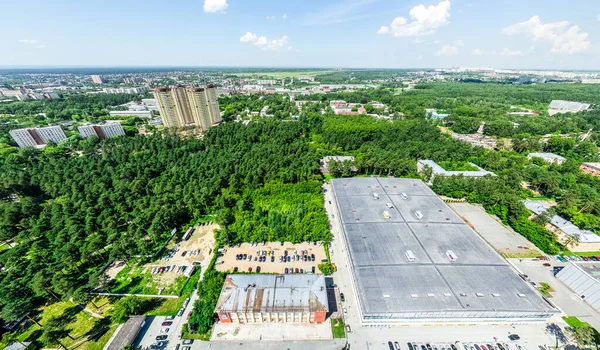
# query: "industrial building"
{"points": [[136, 113], [194, 107], [563, 225], [438, 170], [547, 157], [414, 261], [257, 298], [102, 131], [37, 137], [591, 168], [561, 106], [582, 278]]}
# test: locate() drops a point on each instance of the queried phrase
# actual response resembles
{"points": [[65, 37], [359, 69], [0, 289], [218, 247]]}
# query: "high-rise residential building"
{"points": [[37, 137], [181, 107], [96, 79], [102, 131]]}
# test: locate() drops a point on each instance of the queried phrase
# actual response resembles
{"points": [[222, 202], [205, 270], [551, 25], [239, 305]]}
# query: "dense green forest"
{"points": [[280, 106], [128, 193]]}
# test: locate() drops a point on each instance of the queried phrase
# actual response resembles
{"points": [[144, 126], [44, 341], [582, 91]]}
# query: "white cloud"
{"points": [[284, 17], [271, 18], [476, 52], [425, 20], [420, 57], [447, 50], [264, 43], [563, 37], [212, 6], [28, 41], [459, 43], [436, 41], [419, 41], [508, 52]]}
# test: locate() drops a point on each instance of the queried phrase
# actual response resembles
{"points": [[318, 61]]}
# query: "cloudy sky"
{"points": [[303, 33]]}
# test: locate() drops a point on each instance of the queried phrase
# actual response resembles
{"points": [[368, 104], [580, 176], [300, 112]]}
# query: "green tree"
{"points": [[126, 307]]}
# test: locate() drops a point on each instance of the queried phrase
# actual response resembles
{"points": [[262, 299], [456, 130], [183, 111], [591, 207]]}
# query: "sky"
{"points": [[535, 34]]}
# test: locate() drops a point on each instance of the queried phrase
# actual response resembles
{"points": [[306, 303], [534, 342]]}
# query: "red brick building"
{"points": [[273, 299]]}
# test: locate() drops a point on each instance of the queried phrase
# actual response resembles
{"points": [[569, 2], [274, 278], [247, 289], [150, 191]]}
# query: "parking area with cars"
{"points": [[272, 257]]}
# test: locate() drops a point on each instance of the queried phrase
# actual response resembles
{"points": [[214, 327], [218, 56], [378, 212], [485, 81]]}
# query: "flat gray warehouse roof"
{"points": [[413, 257]]}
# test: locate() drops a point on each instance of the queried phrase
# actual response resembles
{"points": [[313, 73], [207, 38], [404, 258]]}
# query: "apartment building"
{"points": [[102, 131], [188, 107], [37, 137]]}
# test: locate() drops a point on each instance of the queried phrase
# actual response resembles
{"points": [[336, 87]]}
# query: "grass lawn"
{"points": [[575, 322], [169, 307], [78, 323], [137, 280], [338, 328], [187, 335], [586, 253], [524, 255]]}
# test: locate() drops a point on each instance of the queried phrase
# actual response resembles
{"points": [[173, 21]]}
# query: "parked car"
{"points": [[166, 323], [164, 330], [286, 270], [258, 269], [342, 298], [514, 337], [547, 264], [162, 337], [272, 258], [235, 269], [301, 271], [397, 346], [391, 345], [332, 285], [188, 341], [410, 347], [249, 269], [186, 348], [169, 318]]}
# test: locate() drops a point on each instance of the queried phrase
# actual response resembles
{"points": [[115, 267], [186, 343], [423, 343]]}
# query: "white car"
{"points": [[164, 330]]}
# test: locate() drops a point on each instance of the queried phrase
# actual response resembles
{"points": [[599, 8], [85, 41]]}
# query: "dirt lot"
{"points": [[197, 249], [229, 261]]}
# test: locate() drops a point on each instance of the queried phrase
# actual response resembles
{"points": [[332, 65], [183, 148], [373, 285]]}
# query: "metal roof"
{"points": [[438, 170], [475, 279], [273, 293], [126, 333], [547, 156], [568, 105], [567, 227]]}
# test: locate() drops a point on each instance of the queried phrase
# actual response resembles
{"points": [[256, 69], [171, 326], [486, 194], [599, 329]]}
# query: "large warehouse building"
{"points": [[413, 260], [273, 298]]}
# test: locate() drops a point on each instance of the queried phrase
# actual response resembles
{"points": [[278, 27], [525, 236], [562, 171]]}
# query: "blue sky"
{"points": [[540, 34]]}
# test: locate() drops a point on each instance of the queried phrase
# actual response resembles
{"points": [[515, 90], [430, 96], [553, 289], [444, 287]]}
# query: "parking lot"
{"points": [[247, 257]]}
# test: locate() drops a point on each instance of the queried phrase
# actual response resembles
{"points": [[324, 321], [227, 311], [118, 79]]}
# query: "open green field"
{"points": [[81, 330], [283, 74], [139, 280]]}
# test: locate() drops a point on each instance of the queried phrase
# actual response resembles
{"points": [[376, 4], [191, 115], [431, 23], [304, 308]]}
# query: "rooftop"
{"points": [[583, 236], [273, 293], [438, 170], [568, 105], [411, 253], [549, 157], [593, 165], [127, 333]]}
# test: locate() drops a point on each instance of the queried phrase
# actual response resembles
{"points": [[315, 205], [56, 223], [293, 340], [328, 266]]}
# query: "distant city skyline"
{"points": [[544, 34]]}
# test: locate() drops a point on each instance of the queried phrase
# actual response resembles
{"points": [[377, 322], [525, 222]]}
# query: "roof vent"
{"points": [[386, 296], [451, 256], [418, 214], [463, 295], [414, 295], [447, 294], [409, 256], [430, 294], [495, 295], [521, 295], [479, 295]]}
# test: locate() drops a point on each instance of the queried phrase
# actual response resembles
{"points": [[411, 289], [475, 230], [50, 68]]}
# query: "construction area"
{"points": [[414, 261], [269, 256]]}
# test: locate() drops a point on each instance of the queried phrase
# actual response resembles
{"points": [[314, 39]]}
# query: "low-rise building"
{"points": [[438, 170], [141, 114], [126, 333], [563, 225], [130, 90], [548, 157], [327, 159], [591, 168], [433, 114], [561, 106], [257, 298], [582, 278]]}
